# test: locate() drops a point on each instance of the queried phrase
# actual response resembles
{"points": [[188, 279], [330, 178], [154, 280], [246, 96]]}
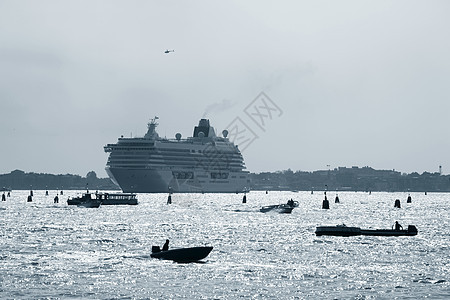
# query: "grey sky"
{"points": [[359, 82]]}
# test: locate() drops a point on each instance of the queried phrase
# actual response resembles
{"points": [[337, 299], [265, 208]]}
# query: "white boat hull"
{"points": [[163, 181]]}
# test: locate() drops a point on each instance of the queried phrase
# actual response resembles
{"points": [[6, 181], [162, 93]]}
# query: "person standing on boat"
{"points": [[166, 246], [398, 226]]}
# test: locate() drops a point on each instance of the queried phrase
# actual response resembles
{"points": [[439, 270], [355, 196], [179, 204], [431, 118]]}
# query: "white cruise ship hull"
{"points": [[163, 181]]}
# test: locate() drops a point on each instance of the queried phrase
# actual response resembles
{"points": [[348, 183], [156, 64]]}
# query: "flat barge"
{"points": [[342, 230]]}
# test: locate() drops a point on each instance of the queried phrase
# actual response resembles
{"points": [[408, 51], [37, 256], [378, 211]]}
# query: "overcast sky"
{"points": [[363, 83]]}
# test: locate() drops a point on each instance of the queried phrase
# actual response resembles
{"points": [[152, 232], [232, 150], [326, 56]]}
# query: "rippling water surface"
{"points": [[55, 251]]}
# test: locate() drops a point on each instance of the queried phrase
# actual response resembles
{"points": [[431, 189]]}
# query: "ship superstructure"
{"points": [[201, 163]]}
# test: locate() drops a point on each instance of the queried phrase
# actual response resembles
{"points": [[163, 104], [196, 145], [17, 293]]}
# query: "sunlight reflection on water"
{"points": [[57, 251]]}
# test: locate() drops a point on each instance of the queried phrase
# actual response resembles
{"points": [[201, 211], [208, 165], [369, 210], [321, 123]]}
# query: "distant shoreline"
{"points": [[341, 179], [19, 180], [364, 179]]}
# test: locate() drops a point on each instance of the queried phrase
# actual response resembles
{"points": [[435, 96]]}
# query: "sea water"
{"points": [[56, 251]]}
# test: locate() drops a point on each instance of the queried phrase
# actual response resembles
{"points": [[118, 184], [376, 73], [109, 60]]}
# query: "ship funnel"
{"points": [[205, 128], [203, 123]]}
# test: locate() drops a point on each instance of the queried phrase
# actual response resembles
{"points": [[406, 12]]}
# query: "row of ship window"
{"points": [[152, 149], [174, 159], [190, 175], [192, 162]]}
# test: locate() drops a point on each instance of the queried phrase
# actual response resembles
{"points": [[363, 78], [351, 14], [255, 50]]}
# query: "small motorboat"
{"points": [[281, 208], [182, 255], [342, 230]]}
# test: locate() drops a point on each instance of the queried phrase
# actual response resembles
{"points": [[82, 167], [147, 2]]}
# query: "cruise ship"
{"points": [[203, 163]]}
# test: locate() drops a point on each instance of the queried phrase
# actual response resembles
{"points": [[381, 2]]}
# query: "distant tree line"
{"points": [[351, 179], [341, 179], [19, 180]]}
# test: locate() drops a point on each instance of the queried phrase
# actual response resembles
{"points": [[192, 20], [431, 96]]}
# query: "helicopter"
{"points": [[168, 51]]}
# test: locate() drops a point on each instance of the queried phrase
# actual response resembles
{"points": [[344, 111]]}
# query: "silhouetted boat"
{"points": [[342, 230], [182, 255], [105, 198], [280, 208]]}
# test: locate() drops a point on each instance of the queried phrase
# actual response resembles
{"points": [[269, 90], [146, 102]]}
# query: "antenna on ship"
{"points": [[151, 132], [153, 121]]}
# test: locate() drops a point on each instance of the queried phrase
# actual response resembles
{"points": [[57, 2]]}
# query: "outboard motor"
{"points": [[156, 249], [412, 229]]}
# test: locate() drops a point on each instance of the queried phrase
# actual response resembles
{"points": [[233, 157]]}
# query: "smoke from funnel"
{"points": [[218, 107]]}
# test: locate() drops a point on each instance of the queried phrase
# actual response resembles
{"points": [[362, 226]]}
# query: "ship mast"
{"points": [[151, 132]]}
